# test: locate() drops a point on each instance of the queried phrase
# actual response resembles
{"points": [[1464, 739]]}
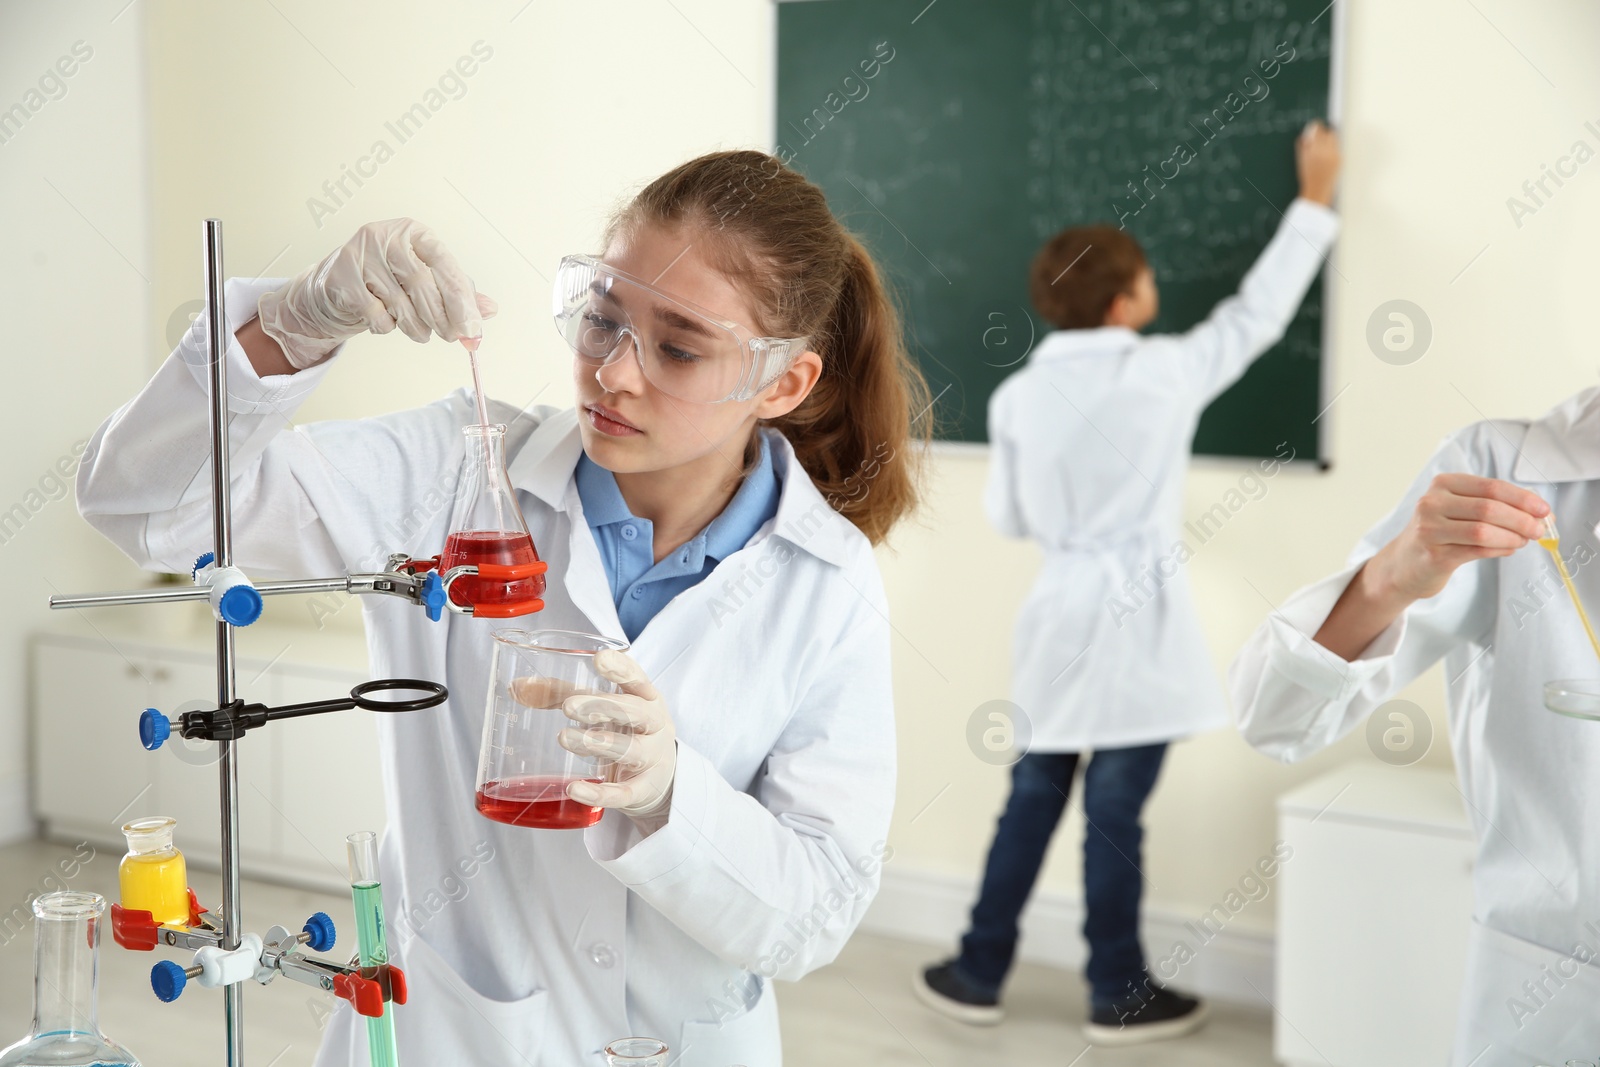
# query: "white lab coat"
{"points": [[1089, 448], [775, 668], [1528, 776]]}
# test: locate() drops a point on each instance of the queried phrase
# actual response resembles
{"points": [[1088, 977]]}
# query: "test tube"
{"points": [[371, 942]]}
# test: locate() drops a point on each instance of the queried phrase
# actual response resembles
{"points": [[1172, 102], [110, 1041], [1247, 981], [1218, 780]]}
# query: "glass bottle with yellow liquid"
{"points": [[153, 875]]}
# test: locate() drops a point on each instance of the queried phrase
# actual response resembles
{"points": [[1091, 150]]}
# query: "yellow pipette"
{"points": [[1552, 542]]}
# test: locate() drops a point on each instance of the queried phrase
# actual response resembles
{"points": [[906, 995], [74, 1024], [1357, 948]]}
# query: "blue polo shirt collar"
{"points": [[751, 506]]}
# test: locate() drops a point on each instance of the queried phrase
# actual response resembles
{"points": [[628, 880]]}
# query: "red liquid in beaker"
{"points": [[540, 802], [477, 547]]}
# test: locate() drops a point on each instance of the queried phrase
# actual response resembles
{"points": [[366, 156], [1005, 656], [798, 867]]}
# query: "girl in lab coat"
{"points": [[1449, 575], [1089, 448], [724, 524]]}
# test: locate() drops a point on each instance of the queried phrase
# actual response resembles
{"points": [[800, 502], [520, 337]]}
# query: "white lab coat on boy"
{"points": [[1528, 777], [775, 669], [1089, 447]]}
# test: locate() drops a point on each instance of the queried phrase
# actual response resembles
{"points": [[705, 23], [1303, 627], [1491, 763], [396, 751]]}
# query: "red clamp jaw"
{"points": [[393, 982], [136, 930], [368, 995], [139, 931], [458, 600]]}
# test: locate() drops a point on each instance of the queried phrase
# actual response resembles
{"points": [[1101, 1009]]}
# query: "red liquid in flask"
{"points": [[540, 802], [478, 547]]}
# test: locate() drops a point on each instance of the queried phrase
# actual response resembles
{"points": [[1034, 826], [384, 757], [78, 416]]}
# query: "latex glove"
{"points": [[391, 273], [633, 728]]}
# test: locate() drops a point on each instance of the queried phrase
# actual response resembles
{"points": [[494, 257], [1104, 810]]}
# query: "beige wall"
{"points": [[74, 296], [1449, 108]]}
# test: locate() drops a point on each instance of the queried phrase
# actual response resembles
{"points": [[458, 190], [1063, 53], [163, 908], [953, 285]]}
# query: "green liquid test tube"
{"points": [[371, 943]]}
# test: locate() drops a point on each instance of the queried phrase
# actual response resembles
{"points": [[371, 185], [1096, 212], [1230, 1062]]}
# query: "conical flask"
{"points": [[66, 958], [487, 529]]}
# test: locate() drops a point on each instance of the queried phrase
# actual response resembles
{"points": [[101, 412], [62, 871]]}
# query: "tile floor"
{"points": [[859, 1011]]}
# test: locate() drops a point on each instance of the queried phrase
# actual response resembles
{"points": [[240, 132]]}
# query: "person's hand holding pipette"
{"points": [[391, 274], [1461, 518], [633, 728]]}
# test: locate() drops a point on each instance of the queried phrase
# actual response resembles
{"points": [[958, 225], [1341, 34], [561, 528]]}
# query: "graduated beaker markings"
{"points": [[523, 770]]}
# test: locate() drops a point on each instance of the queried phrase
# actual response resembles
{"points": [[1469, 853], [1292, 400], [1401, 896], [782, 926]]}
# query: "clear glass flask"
{"points": [[66, 958], [153, 875], [487, 527], [523, 772]]}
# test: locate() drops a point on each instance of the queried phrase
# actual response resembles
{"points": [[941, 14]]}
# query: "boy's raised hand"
{"points": [[1316, 159]]}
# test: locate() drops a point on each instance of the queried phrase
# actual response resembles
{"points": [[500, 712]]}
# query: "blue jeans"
{"points": [[1116, 783]]}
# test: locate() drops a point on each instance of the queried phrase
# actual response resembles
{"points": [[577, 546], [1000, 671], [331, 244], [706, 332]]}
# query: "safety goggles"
{"points": [[684, 350]]}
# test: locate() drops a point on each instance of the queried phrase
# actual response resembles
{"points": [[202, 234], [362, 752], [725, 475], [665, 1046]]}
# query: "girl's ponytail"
{"points": [[854, 434]]}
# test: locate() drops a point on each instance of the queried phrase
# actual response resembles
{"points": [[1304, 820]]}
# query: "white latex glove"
{"points": [[391, 273], [633, 728]]}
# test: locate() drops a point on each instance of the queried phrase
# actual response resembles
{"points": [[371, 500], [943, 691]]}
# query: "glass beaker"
{"points": [[636, 1052], [523, 771], [66, 956], [153, 875], [487, 527]]}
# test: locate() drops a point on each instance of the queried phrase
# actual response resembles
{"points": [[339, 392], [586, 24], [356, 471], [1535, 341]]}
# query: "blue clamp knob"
{"points": [[320, 927], [240, 606], [154, 728], [433, 595], [168, 980], [205, 560]]}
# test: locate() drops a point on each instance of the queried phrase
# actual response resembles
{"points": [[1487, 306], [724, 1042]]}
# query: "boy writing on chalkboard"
{"points": [[1089, 448]]}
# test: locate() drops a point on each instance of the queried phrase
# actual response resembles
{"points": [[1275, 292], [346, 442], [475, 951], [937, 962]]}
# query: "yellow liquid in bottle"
{"points": [[1553, 546], [158, 883]]}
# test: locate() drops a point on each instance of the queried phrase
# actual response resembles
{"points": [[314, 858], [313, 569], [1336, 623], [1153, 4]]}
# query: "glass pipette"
{"points": [[1552, 543], [471, 344]]}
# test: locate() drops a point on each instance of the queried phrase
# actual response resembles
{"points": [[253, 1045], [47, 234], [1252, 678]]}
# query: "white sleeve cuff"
{"points": [[1317, 223], [662, 858], [248, 392], [1294, 653]]}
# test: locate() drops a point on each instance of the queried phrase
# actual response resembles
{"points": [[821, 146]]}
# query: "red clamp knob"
{"points": [[364, 993], [134, 930], [195, 910]]}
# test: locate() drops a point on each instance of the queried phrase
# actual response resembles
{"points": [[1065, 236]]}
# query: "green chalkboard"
{"points": [[956, 136]]}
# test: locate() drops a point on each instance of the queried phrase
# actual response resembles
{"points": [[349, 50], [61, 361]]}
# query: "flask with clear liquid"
{"points": [[66, 958], [487, 527]]}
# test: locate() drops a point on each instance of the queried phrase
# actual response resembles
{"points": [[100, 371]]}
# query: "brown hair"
{"points": [[771, 230], [1079, 272]]}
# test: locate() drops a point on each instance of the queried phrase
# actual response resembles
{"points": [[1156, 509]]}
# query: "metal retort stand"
{"points": [[224, 956]]}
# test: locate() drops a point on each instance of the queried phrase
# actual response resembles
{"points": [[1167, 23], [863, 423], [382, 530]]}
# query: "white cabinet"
{"points": [[303, 783], [85, 715], [1374, 908]]}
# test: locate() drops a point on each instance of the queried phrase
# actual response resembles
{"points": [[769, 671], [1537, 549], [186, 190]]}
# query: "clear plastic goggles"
{"points": [[684, 350]]}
